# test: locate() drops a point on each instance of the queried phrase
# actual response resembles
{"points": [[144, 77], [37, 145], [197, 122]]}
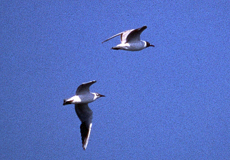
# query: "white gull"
{"points": [[81, 99], [130, 40]]}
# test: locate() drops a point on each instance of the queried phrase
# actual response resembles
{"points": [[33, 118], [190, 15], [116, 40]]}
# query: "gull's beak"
{"points": [[151, 45], [102, 95]]}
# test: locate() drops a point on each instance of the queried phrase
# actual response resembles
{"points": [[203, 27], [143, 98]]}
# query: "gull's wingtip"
{"points": [[104, 41], [85, 133], [93, 81]]}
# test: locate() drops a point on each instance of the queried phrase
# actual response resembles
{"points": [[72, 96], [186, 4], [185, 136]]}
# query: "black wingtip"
{"points": [[85, 130]]}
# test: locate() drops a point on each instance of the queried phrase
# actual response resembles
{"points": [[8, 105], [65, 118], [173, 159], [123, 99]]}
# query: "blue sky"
{"points": [[167, 102]]}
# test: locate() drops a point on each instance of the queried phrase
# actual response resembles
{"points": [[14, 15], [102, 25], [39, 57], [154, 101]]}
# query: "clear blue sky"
{"points": [[167, 102]]}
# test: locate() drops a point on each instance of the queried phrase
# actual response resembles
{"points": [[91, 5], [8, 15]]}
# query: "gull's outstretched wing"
{"points": [[131, 35], [84, 87], [112, 37], [85, 114], [134, 35], [123, 34]]}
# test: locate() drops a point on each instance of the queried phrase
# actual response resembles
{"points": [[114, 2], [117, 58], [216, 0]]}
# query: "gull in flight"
{"points": [[81, 99], [130, 40]]}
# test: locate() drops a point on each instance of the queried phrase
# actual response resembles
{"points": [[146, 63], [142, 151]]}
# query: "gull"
{"points": [[130, 40], [81, 99]]}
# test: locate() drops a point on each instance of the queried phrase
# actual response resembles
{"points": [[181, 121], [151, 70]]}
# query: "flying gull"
{"points": [[81, 99], [130, 40]]}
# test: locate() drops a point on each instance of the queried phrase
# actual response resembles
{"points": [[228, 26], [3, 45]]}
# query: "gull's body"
{"points": [[78, 99], [81, 99], [130, 40]]}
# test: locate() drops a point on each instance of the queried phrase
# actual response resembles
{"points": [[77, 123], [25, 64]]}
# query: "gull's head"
{"points": [[148, 44], [97, 95]]}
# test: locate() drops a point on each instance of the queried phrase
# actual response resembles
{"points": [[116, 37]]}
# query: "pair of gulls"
{"points": [[130, 41]]}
